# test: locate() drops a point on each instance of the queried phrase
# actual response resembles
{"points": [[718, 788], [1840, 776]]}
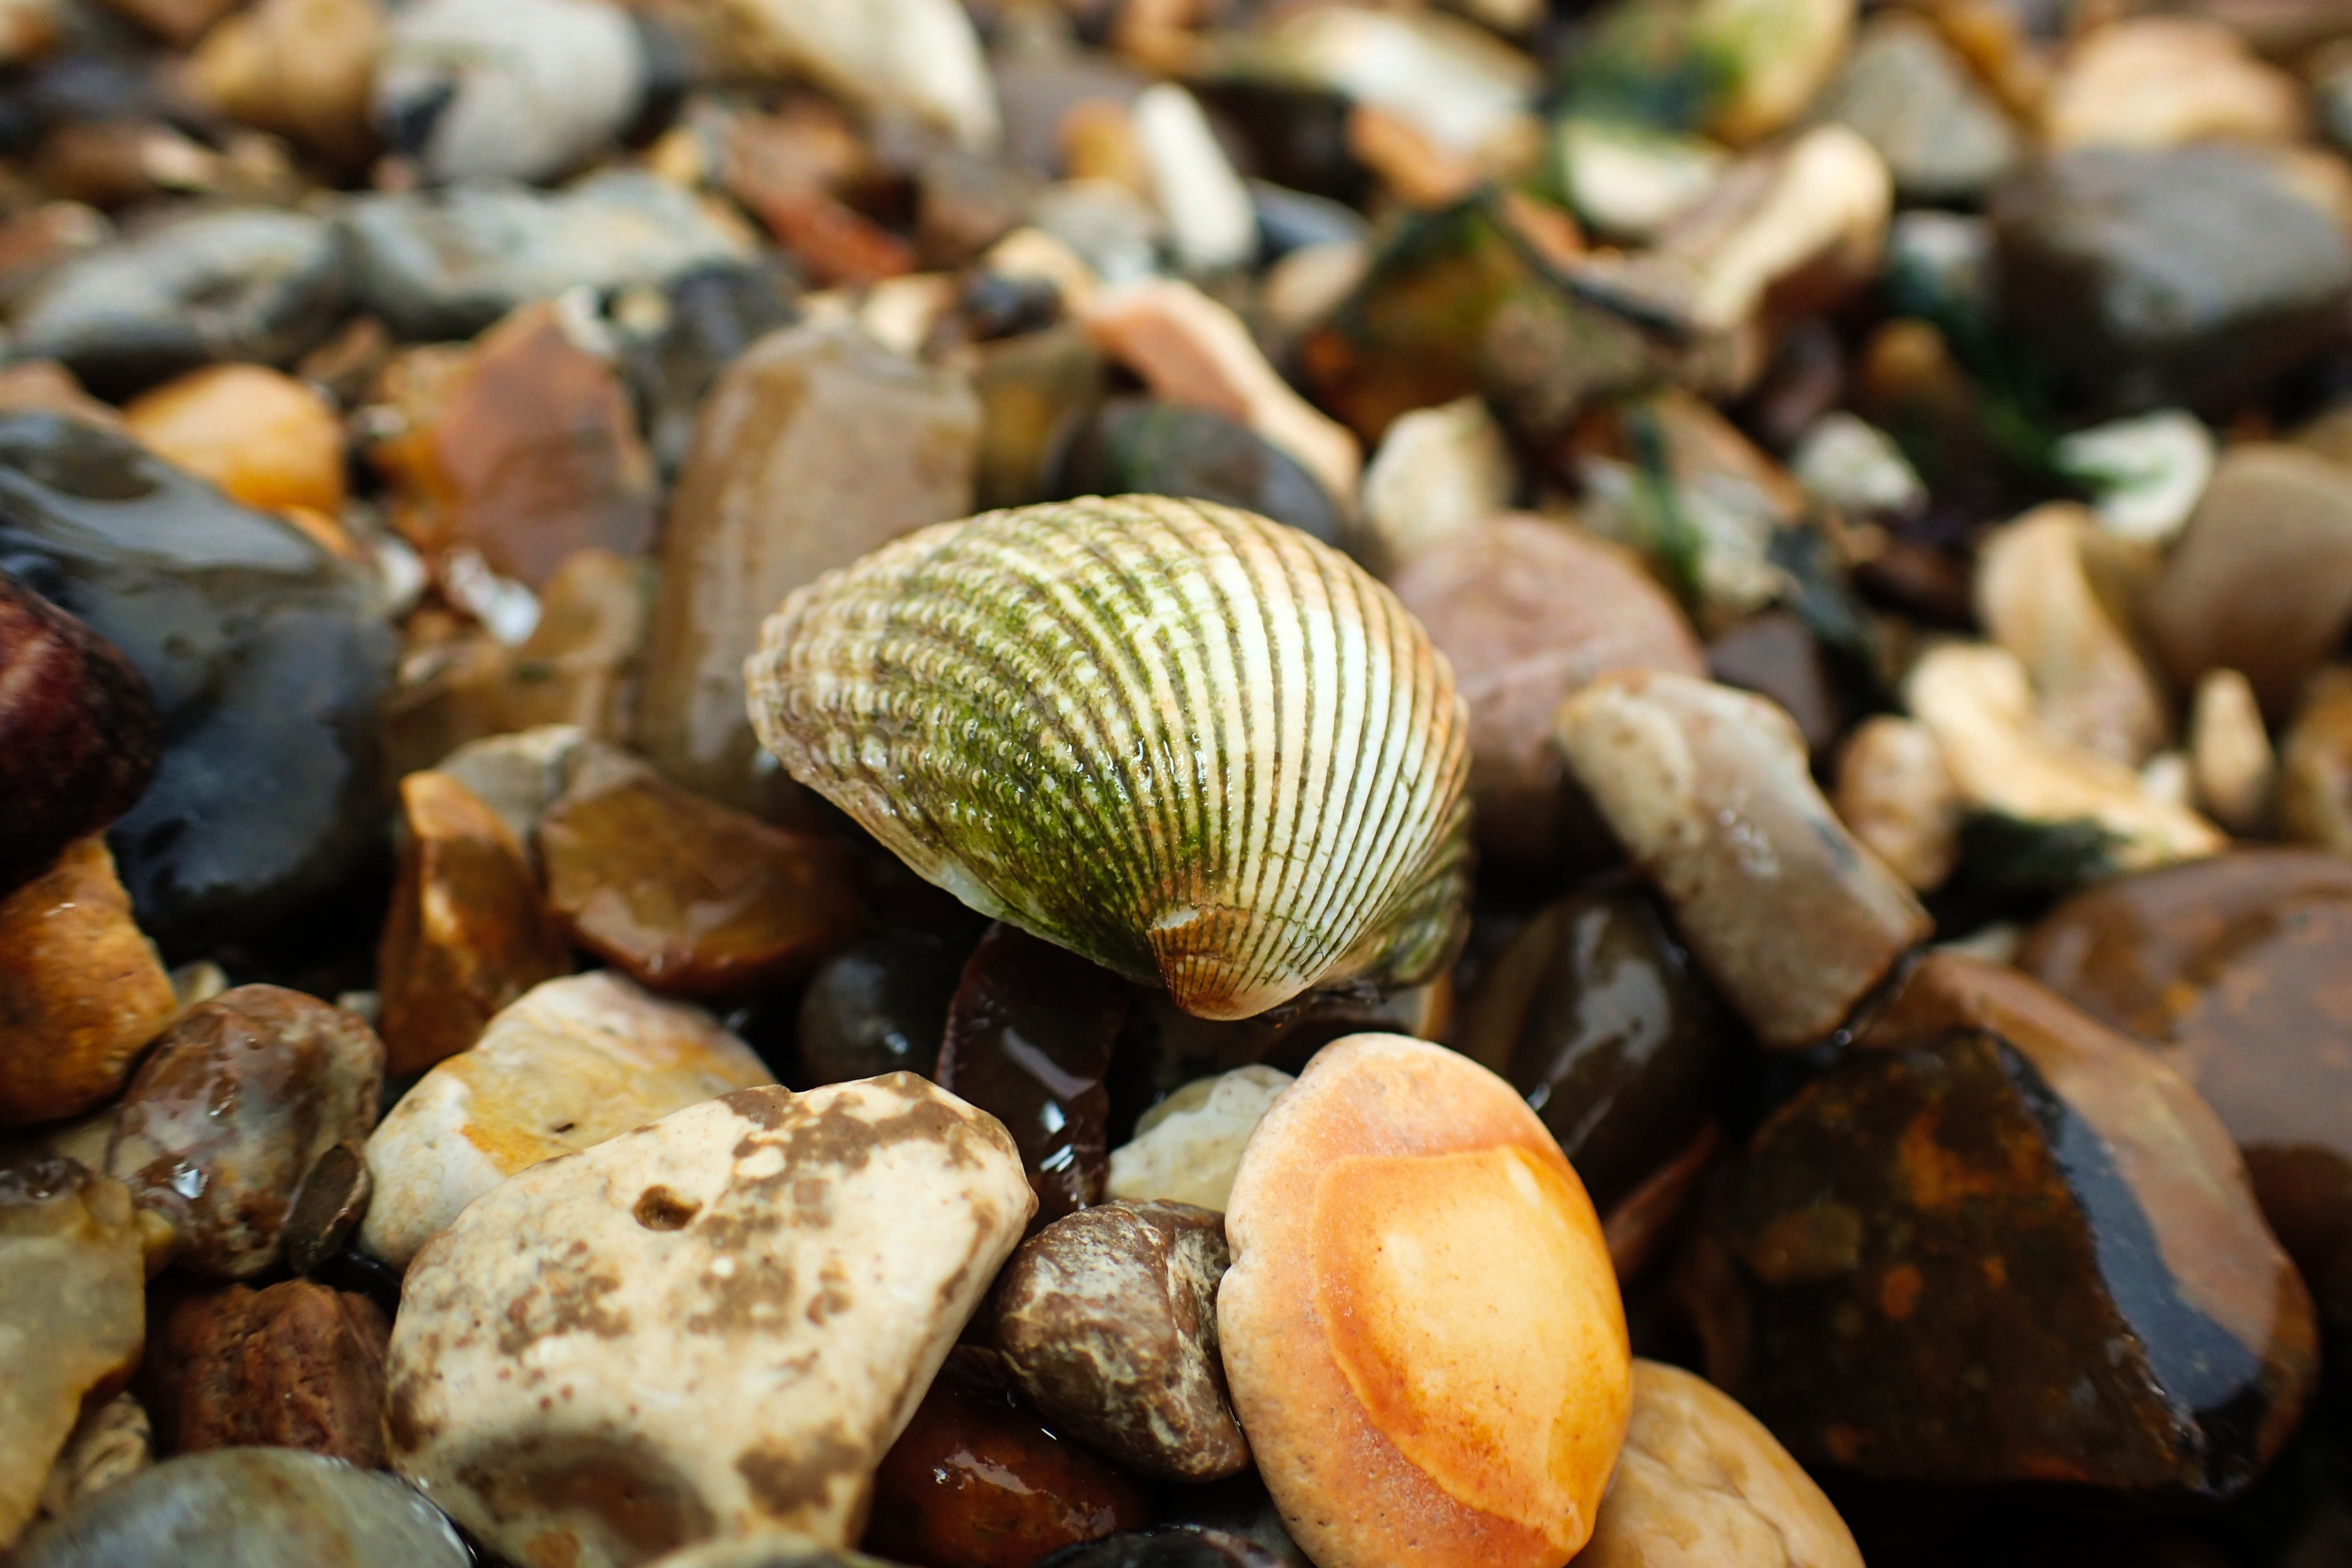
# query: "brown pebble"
{"points": [[332, 1200], [295, 1366]]}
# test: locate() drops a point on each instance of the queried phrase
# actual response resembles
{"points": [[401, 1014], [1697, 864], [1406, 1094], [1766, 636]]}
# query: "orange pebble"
{"points": [[265, 438], [1421, 1329]]}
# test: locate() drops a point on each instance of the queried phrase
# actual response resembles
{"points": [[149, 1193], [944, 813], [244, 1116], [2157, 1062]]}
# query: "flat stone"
{"points": [[574, 1062], [1035, 389], [467, 933], [1710, 791], [239, 1100], [1107, 1320], [79, 739], [1701, 1481], [251, 1507], [1999, 1242], [1528, 611], [1187, 1148], [250, 283], [975, 1480], [514, 89], [1406, 1398], [265, 655], [813, 448], [81, 991], [685, 895], [72, 1313], [445, 264], [294, 1367], [734, 1360]]}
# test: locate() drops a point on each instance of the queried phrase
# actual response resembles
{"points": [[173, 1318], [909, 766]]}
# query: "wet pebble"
{"points": [[1187, 1147], [296, 1365], [1178, 1546], [879, 1006]]}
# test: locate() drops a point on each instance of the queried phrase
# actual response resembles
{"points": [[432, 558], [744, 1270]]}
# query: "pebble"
{"points": [[507, 89], [575, 1062], [2166, 82], [2229, 756], [520, 775], [1529, 611], [444, 264], [1438, 473], [1177, 1546], [2146, 474], [239, 1100], [177, 22], [467, 933], [250, 1508], [2261, 582], [678, 1351], [1857, 467], [1945, 138], [296, 1365], [1036, 390], [1107, 1320], [1999, 1241], [1210, 215], [1191, 350], [2037, 593], [2122, 266], [1407, 1401], [1772, 654], [72, 1281], [1896, 795], [2315, 773], [1456, 85], [265, 438], [1594, 1014], [765, 1548], [2226, 968], [813, 447], [1632, 180], [1134, 445], [266, 657], [79, 739], [1187, 1148], [85, 994], [687, 896], [1709, 790], [1029, 1038], [303, 69], [916, 57], [328, 1205], [879, 1006], [975, 1482], [703, 319], [580, 664], [110, 1442], [1701, 1481], [246, 283]]}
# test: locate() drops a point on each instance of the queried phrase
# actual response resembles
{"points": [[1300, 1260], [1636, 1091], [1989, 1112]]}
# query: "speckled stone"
{"points": [[574, 1062], [712, 1324]]}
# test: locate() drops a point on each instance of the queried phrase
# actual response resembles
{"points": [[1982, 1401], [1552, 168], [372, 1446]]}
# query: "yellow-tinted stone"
{"points": [[265, 438]]}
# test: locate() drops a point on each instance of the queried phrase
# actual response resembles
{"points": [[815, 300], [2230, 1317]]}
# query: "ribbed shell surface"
{"points": [[1191, 745]]}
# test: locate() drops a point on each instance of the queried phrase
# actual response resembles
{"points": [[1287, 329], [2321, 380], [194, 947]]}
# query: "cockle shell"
{"points": [[1190, 743]]}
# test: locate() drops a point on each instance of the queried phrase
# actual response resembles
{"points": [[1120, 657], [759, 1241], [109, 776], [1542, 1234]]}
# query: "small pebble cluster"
{"points": [[1175, 783]]}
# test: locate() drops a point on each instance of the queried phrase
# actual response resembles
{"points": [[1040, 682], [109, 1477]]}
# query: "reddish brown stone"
{"points": [[786, 168], [685, 895], [295, 1366], [974, 1483], [466, 935]]}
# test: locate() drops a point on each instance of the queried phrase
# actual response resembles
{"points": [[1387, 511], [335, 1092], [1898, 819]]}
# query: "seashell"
{"points": [[1191, 745]]}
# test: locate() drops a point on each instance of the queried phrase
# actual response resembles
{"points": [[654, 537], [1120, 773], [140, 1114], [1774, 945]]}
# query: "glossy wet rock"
{"points": [[1594, 1014], [265, 655], [266, 439], [879, 1006], [237, 1100], [2119, 264], [1138, 445], [1187, 1147], [254, 1508], [72, 1302], [445, 264], [1528, 611], [467, 933], [2002, 1242], [520, 775], [1402, 1397], [78, 734], [295, 1366], [574, 1062], [1702, 1482], [81, 991], [974, 1483], [524, 449], [545, 85], [2229, 968], [685, 895], [1708, 789], [745, 1299], [328, 1207], [815, 447], [1108, 1321], [234, 284], [1028, 1039]]}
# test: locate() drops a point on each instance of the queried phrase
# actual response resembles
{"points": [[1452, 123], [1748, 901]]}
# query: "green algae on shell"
{"points": [[1191, 745]]}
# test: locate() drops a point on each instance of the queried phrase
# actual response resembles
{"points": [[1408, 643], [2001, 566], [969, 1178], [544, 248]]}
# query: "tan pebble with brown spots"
{"points": [[714, 1324]]}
